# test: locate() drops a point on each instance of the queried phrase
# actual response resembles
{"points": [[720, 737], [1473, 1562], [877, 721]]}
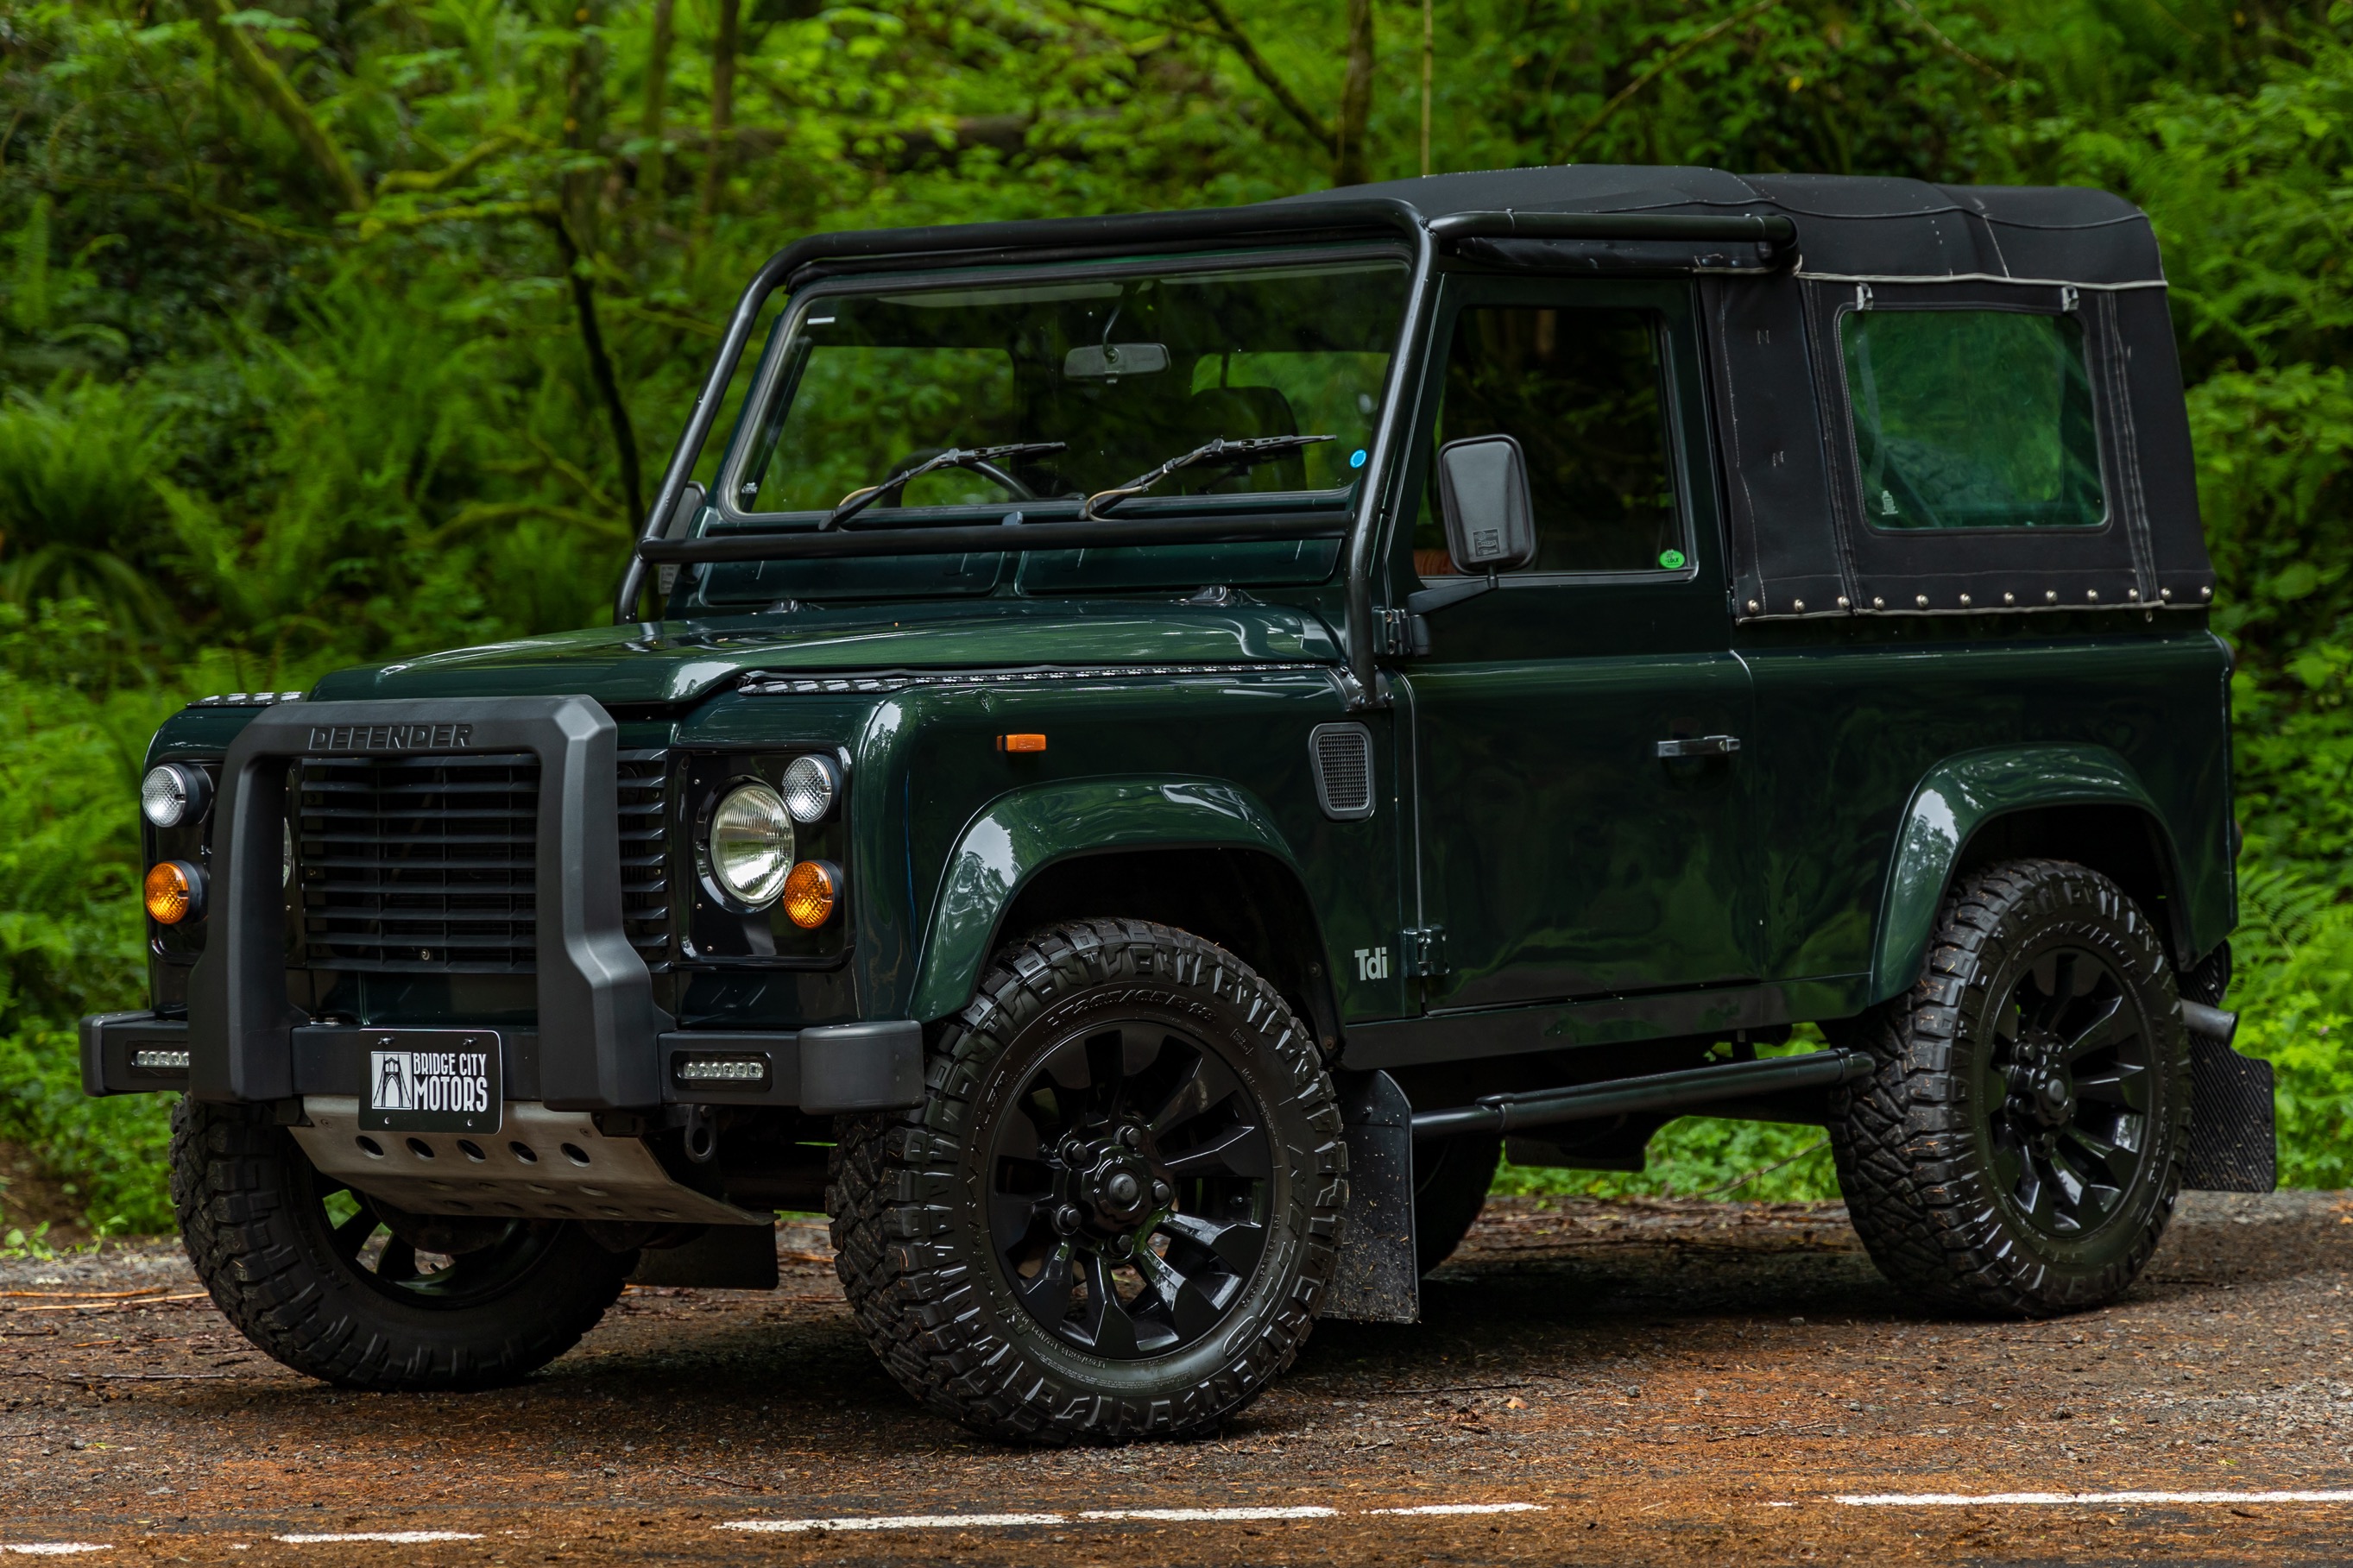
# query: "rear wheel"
{"points": [[2020, 1147], [1117, 1211], [347, 1289]]}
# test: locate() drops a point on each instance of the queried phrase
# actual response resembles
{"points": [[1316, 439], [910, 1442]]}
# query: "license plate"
{"points": [[432, 1080]]}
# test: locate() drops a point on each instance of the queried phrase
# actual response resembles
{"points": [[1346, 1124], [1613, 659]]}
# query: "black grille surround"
{"points": [[428, 863]]}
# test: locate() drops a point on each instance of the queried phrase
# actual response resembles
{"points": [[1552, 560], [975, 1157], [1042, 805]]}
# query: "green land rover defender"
{"points": [[1153, 749]]}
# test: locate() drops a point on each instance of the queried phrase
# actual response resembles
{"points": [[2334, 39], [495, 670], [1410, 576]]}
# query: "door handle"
{"points": [[1699, 746]]}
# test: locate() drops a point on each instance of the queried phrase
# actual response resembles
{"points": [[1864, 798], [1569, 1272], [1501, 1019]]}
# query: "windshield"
{"points": [[1113, 376]]}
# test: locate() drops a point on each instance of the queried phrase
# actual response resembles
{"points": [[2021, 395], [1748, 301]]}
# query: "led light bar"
{"points": [[160, 1062], [730, 1070]]}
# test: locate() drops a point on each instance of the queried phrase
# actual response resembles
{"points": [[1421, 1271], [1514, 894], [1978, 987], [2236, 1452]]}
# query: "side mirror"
{"points": [[1483, 490]]}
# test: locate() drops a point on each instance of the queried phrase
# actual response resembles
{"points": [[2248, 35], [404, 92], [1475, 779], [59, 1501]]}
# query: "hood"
{"points": [[673, 662]]}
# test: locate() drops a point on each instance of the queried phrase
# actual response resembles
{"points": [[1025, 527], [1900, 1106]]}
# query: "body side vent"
{"points": [[1343, 755]]}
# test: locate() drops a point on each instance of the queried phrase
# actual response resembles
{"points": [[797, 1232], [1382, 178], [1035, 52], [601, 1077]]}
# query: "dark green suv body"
{"points": [[1157, 744]]}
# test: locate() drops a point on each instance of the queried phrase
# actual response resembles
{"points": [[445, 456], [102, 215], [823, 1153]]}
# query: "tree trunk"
{"points": [[723, 44], [1348, 167], [278, 95], [650, 163]]}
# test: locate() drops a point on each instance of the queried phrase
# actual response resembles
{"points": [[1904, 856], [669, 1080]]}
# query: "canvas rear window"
{"points": [[1972, 419]]}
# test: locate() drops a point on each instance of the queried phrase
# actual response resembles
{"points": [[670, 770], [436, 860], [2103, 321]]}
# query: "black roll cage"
{"points": [[1046, 240]]}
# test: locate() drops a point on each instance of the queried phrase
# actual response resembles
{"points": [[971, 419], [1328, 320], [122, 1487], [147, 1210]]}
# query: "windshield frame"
{"points": [[721, 515]]}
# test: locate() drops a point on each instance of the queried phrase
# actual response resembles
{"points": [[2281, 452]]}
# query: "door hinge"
{"points": [[1424, 952], [1404, 635]]}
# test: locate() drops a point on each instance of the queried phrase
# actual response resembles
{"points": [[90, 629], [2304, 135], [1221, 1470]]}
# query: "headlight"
{"points": [[811, 782], [173, 793], [752, 844]]}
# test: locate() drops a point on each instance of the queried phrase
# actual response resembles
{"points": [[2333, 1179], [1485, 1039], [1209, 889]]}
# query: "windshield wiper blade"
{"points": [[1238, 454], [981, 459]]}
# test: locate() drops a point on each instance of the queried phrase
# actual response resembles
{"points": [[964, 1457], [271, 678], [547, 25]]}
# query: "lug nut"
{"points": [[1131, 1135], [1162, 1191], [1067, 1219]]}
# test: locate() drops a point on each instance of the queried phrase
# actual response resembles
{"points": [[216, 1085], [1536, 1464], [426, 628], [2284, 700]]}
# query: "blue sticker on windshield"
{"points": [[1357, 458]]}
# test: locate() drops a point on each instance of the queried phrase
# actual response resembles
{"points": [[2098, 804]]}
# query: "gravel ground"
{"points": [[1605, 1383]]}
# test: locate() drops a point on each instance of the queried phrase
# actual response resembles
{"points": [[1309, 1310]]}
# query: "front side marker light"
{"points": [[174, 892], [173, 792], [1021, 742], [752, 844], [812, 783], [810, 893]]}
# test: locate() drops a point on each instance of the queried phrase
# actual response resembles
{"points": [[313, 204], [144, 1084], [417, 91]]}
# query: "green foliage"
{"points": [[331, 332]]}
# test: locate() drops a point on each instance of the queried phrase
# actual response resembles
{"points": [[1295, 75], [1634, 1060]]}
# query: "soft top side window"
{"points": [[1578, 387], [1972, 419]]}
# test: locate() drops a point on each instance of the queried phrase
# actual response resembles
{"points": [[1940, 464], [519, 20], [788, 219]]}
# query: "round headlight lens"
{"points": [[810, 785], [171, 794], [752, 844]]}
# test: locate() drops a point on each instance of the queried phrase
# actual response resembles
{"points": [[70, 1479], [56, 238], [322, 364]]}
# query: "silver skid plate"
{"points": [[542, 1164]]}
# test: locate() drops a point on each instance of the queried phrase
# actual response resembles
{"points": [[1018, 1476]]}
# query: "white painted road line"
{"points": [[54, 1548], [896, 1521], [1099, 1516], [1990, 1499], [393, 1537], [1208, 1515]]}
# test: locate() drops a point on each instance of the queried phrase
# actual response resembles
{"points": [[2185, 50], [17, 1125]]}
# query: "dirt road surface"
{"points": [[1594, 1383]]}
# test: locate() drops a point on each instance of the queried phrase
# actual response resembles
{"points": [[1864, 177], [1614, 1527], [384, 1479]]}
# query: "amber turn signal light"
{"points": [[810, 893], [174, 892], [1021, 742]]}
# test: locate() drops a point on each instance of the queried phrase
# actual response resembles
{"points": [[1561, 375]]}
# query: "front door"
{"points": [[1579, 731]]}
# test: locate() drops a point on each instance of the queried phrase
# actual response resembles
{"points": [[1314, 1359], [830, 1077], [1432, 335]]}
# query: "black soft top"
{"points": [[1847, 227]]}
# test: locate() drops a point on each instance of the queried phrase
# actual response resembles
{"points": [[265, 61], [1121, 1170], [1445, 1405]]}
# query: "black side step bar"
{"points": [[1657, 1091]]}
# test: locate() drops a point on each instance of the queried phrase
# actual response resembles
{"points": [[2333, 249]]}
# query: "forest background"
{"points": [[336, 330]]}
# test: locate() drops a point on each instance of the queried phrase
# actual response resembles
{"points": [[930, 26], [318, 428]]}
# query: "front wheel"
{"points": [[1117, 1211], [352, 1290], [2020, 1147]]}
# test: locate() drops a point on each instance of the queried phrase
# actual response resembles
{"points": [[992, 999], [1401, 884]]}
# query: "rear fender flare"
{"points": [[1017, 835], [1957, 798]]}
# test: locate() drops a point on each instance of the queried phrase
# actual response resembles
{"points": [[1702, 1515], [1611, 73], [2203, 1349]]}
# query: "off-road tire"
{"points": [[1450, 1178], [1912, 1142], [907, 1191], [255, 1228]]}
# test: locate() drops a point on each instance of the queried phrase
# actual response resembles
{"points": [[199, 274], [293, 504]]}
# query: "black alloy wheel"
{"points": [[1117, 1212], [347, 1289], [1128, 1192], [2067, 1080], [2019, 1147]]}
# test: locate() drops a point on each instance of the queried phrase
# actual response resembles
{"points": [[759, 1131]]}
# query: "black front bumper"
{"points": [[833, 1069]]}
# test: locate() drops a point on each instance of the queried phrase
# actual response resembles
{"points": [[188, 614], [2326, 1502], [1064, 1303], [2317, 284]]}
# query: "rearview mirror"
{"points": [[1483, 490], [1098, 359]]}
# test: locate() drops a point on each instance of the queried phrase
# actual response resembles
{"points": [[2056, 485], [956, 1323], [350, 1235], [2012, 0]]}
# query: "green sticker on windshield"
{"points": [[1673, 560]]}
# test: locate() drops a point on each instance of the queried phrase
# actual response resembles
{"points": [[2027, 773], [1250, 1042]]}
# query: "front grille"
{"points": [[429, 863], [645, 865]]}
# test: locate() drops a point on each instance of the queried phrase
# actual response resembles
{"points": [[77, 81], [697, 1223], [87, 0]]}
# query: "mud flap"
{"points": [[2233, 1147], [1376, 1281], [723, 1257]]}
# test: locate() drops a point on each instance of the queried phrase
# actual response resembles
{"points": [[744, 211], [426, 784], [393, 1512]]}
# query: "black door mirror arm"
{"points": [[1452, 591]]}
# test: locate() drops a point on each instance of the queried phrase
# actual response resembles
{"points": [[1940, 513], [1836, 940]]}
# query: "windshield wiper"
{"points": [[980, 459], [1235, 453]]}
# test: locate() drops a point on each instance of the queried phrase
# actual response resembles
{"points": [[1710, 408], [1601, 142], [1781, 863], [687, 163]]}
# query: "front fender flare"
{"points": [[1961, 794], [1017, 834]]}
